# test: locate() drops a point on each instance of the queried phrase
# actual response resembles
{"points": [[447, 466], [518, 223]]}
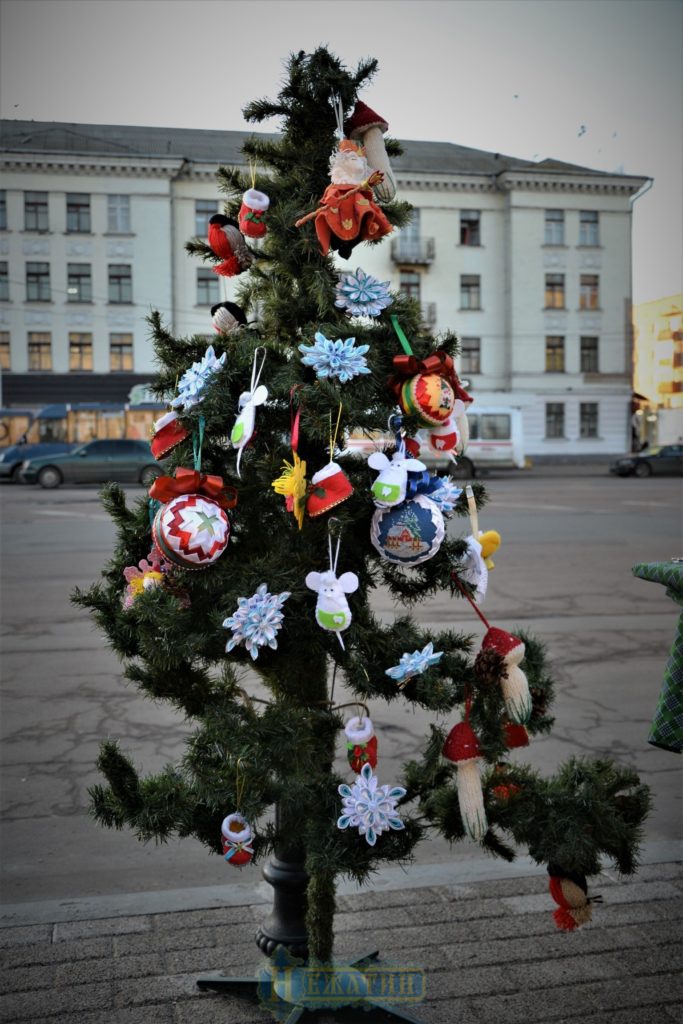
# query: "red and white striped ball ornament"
{"points": [[191, 531]]}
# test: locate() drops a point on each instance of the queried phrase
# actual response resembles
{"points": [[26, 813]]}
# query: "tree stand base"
{"points": [[270, 991]]}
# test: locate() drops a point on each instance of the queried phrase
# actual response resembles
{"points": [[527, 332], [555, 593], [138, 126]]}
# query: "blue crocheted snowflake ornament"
{"points": [[414, 664], [368, 807], [342, 359], [257, 619], [445, 493], [362, 294], [193, 382]]}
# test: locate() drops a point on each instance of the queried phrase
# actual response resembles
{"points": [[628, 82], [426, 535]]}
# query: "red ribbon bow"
{"points": [[438, 362], [191, 481]]}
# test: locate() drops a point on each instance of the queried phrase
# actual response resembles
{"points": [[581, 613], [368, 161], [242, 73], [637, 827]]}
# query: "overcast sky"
{"points": [[594, 82]]}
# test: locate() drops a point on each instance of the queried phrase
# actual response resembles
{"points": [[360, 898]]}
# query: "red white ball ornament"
{"points": [[191, 530]]}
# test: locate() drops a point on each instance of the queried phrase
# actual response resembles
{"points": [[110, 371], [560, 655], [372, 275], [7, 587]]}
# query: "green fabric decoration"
{"points": [[667, 725], [405, 344]]}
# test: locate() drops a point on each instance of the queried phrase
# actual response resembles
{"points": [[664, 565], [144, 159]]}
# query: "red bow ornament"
{"points": [[191, 481]]}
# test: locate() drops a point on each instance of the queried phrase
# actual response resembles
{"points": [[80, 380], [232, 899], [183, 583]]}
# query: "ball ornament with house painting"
{"points": [[410, 533]]}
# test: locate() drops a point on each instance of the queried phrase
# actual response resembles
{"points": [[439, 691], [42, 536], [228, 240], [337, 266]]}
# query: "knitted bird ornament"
{"points": [[570, 891]]}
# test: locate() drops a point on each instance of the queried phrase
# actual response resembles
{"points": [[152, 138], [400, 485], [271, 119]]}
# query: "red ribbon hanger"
{"points": [[191, 481]]}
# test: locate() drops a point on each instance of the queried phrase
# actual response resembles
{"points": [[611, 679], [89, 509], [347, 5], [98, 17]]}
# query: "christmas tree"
{"points": [[294, 533]]}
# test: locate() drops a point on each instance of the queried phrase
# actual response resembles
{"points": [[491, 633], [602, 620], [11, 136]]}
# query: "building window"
{"points": [[554, 419], [118, 215], [470, 227], [554, 291], [554, 354], [470, 291], [39, 350], [3, 210], [37, 282], [204, 210], [207, 287], [409, 284], [5, 358], [121, 283], [4, 281], [35, 211], [554, 227], [589, 355], [78, 282], [470, 355], [120, 353], [588, 419], [80, 351], [78, 212], [589, 227], [589, 292]]}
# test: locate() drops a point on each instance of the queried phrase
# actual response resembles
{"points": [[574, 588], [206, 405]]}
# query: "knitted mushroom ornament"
{"points": [[514, 683], [462, 747], [368, 128]]}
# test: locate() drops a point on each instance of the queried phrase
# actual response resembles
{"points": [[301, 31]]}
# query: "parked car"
{"points": [[12, 458], [666, 460], [96, 462]]}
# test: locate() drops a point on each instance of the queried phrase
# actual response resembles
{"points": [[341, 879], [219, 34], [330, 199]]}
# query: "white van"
{"points": [[496, 436], [496, 439]]}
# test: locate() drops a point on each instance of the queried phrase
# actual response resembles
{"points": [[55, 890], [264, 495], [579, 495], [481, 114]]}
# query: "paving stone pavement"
{"points": [[490, 951]]}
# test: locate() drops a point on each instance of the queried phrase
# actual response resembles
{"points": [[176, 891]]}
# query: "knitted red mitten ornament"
{"points": [[236, 836], [328, 488], [361, 747], [252, 213]]}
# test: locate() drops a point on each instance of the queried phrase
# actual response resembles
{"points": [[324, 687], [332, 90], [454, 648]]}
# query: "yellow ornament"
{"points": [[490, 542], [292, 484]]}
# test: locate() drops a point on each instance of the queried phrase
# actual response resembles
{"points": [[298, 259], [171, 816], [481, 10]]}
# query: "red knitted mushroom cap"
{"points": [[515, 736], [461, 743], [500, 641], [363, 118]]}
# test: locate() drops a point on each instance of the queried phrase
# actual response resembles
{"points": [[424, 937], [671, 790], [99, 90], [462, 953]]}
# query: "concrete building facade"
{"points": [[529, 262]]}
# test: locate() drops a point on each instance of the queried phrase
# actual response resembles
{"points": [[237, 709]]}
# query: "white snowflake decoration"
{"points": [[343, 359], [414, 664], [446, 494], [192, 383], [361, 294], [368, 807], [257, 619]]}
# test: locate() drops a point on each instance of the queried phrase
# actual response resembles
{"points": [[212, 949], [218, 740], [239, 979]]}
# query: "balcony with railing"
{"points": [[416, 251]]}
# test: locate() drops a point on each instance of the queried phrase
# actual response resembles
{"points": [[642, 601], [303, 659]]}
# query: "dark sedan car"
{"points": [[95, 463], [666, 460]]}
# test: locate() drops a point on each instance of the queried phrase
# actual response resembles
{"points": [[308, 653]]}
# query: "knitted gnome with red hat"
{"points": [[513, 683], [229, 246], [462, 747]]}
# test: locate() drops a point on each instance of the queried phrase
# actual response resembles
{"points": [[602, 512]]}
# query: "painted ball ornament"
{"points": [[191, 531], [409, 533], [429, 397]]}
